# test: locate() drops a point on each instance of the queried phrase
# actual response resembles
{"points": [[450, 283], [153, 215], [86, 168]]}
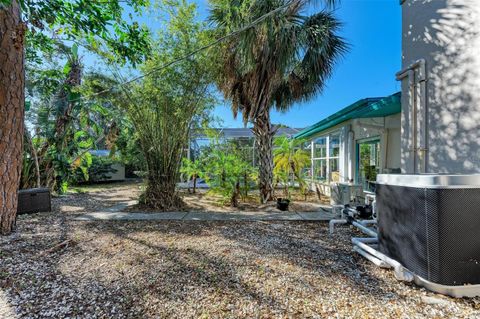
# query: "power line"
{"points": [[190, 54]]}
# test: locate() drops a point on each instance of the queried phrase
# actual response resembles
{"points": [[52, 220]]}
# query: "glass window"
{"points": [[320, 169], [334, 149], [368, 159], [320, 148], [334, 171], [326, 163]]}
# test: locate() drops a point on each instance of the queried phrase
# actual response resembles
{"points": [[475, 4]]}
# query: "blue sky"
{"points": [[373, 30]]}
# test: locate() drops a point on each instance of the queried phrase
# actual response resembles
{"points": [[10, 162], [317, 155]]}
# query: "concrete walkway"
{"points": [[201, 216]]}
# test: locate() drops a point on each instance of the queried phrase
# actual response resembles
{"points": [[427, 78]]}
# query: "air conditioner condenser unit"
{"points": [[431, 225]]}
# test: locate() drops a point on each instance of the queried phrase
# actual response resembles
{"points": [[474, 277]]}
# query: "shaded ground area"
{"points": [[120, 197], [99, 197], [203, 201], [200, 270]]}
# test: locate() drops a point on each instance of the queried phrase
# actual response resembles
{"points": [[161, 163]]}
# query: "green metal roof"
{"points": [[369, 107]]}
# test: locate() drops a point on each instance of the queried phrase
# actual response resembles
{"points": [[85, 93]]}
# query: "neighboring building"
{"points": [[355, 143], [113, 172], [244, 137]]}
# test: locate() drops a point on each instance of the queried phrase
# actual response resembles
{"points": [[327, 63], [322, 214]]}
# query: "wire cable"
{"points": [[190, 54]]}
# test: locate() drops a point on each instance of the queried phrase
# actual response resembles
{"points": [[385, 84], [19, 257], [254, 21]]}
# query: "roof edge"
{"points": [[345, 113]]}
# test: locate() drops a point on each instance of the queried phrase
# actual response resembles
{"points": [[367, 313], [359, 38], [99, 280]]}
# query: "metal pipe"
{"points": [[410, 74], [373, 259], [368, 222], [420, 63], [368, 240], [365, 230], [350, 211], [421, 147], [401, 273], [338, 210]]}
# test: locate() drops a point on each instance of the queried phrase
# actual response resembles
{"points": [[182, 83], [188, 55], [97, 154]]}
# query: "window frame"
{"points": [[327, 158]]}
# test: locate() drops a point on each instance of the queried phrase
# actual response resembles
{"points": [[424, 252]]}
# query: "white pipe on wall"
{"points": [[418, 147]]}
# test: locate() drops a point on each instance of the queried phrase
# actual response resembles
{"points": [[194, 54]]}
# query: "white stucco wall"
{"points": [[393, 155], [387, 130], [446, 33]]}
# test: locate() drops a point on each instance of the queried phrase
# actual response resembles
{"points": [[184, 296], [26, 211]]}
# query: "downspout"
{"points": [[410, 74], [422, 79], [423, 145]]}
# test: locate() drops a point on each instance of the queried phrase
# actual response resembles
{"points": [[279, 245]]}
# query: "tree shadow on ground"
{"points": [[184, 269], [315, 252]]}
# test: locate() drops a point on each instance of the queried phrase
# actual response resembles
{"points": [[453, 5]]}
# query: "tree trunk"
{"points": [[236, 192], [161, 193], [245, 180], [194, 183], [262, 128], [12, 100], [64, 118]]}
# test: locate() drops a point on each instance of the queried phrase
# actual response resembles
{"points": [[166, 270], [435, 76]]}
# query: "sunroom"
{"points": [[355, 144]]}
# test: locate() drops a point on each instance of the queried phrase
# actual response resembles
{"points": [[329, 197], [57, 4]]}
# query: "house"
{"points": [[356, 143], [243, 137]]}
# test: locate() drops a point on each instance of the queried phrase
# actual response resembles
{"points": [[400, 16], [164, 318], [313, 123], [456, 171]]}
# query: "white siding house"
{"points": [[355, 143]]}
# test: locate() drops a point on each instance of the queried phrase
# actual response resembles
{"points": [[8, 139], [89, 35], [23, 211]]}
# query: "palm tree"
{"points": [[290, 159], [191, 169], [282, 59]]}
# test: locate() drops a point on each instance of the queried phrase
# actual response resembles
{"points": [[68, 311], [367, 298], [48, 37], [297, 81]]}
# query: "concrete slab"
{"points": [[208, 216], [244, 216], [130, 216], [317, 215], [121, 206]]}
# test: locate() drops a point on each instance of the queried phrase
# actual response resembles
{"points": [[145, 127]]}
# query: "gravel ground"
{"points": [[100, 197], [57, 268], [123, 197]]}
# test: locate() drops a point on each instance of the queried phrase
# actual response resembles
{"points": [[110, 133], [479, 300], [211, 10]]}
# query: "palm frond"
{"points": [[286, 58]]}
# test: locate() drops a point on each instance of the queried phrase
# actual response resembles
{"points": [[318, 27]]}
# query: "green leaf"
{"points": [[75, 51], [85, 172], [79, 134], [87, 159], [85, 144], [66, 68]]}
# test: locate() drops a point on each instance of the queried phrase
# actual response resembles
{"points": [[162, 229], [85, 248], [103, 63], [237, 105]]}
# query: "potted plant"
{"points": [[289, 161], [282, 204]]}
